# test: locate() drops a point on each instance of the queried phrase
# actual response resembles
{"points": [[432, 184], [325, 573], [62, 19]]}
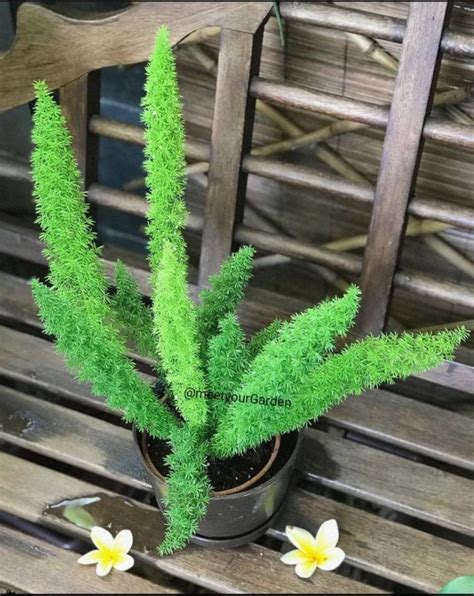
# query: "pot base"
{"points": [[235, 541]]}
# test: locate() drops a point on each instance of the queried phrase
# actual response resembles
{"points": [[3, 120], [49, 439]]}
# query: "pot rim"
{"points": [[225, 494]]}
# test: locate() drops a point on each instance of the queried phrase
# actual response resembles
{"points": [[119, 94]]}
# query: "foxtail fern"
{"points": [[199, 347]]}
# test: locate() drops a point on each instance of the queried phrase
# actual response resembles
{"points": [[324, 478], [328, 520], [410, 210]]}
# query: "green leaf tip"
{"points": [[41, 88]]}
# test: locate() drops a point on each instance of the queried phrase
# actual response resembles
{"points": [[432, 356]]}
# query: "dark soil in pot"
{"points": [[224, 474]]}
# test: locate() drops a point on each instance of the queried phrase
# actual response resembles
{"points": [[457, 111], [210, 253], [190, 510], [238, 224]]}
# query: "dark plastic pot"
{"points": [[247, 512]]}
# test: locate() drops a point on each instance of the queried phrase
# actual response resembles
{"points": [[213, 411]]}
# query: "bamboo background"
{"points": [[354, 67]]}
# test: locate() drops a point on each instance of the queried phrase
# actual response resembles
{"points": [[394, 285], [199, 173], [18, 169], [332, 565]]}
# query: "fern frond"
{"points": [[98, 355], [133, 315], [175, 327], [363, 365], [280, 369], [225, 293], [262, 337], [188, 488], [62, 213], [227, 362], [164, 153]]}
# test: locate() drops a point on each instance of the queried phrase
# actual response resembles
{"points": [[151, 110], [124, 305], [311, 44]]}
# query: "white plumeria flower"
{"points": [[110, 552], [311, 553]]}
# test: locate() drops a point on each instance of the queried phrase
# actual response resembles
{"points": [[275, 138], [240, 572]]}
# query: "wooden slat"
{"points": [[282, 171], [32, 360], [411, 103], [33, 566], [43, 39], [410, 424], [16, 301], [51, 430], [372, 543], [251, 568], [373, 25], [424, 207], [239, 60], [452, 375], [356, 469], [363, 112], [409, 487], [15, 240], [79, 100]]}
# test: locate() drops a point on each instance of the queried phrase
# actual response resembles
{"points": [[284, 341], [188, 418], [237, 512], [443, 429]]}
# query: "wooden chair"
{"points": [[384, 455]]}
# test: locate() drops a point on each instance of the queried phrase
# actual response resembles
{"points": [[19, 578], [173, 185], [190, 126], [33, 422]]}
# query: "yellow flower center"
{"points": [[319, 556], [111, 555]]}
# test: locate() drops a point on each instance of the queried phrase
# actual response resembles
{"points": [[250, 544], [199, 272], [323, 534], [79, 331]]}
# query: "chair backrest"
{"points": [[68, 53]]}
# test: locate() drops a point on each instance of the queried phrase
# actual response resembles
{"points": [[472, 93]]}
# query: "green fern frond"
{"points": [[164, 153], [225, 293], [62, 213], [133, 315], [175, 327], [99, 356], [227, 362], [188, 488], [282, 366], [262, 337], [362, 365]]}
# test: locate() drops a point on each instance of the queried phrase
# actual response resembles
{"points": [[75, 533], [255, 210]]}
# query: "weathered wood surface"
{"points": [[409, 424], [126, 37], [298, 98], [227, 571], [33, 566], [300, 176], [378, 545], [17, 241], [28, 359], [372, 543], [409, 487], [80, 99], [373, 25], [371, 474], [391, 418], [451, 375], [411, 103], [239, 60]]}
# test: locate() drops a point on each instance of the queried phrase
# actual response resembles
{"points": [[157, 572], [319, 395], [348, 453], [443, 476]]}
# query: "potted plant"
{"points": [[225, 413]]}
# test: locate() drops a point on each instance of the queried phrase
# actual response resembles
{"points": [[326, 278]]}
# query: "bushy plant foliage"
{"points": [[225, 293], [134, 318], [200, 347], [175, 326], [228, 359]]}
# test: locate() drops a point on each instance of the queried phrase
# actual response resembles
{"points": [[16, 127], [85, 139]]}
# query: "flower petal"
{"points": [[293, 557], [306, 569], [126, 562], [102, 538], [328, 535], [103, 568], [89, 558], [334, 557], [123, 541], [302, 539]]}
